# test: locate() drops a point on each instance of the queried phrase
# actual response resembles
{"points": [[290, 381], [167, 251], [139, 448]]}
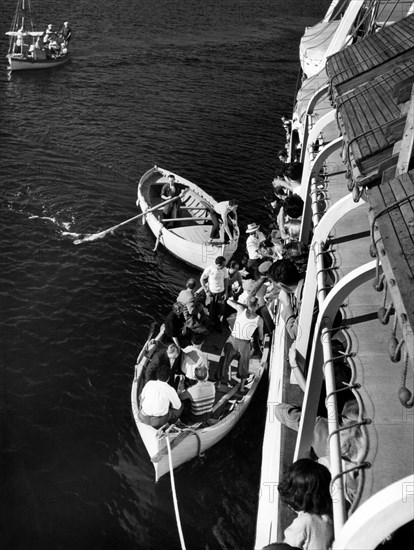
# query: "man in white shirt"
{"points": [[215, 280], [159, 402], [238, 344], [221, 213], [252, 245]]}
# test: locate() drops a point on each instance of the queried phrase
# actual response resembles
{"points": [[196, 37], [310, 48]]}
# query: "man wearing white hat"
{"points": [[252, 245]]}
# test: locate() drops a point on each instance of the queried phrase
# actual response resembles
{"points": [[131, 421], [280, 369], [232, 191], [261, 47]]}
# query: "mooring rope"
{"points": [[177, 512]]}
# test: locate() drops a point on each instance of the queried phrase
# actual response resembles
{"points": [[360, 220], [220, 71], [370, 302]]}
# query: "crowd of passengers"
{"points": [[245, 296], [50, 44]]}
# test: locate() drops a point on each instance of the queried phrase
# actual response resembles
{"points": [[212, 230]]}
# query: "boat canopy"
{"points": [[310, 87], [24, 33], [315, 43]]}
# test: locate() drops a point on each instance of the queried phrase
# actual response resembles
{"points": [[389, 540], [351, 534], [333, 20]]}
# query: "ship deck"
{"points": [[358, 192]]}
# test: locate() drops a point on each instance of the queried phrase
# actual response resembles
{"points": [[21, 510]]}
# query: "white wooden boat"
{"points": [[358, 186], [26, 48], [189, 442], [188, 239]]}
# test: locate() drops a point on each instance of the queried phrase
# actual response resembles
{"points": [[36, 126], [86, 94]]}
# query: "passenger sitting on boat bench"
{"points": [[192, 357], [49, 32], [159, 402], [225, 213], [201, 397], [238, 345], [170, 190], [171, 358]]}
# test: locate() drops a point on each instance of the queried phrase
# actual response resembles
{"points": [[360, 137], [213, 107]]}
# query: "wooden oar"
{"points": [[185, 219], [101, 234]]}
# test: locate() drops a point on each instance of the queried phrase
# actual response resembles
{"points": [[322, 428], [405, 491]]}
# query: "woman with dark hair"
{"points": [[306, 489]]}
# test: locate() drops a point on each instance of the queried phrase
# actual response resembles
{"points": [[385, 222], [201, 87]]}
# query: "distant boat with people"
{"points": [[33, 49], [183, 228]]}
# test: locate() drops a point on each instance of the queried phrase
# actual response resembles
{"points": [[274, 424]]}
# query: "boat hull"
{"points": [[191, 251], [24, 63], [198, 440]]}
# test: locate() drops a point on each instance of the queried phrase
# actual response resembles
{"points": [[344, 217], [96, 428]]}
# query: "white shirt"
{"points": [[156, 398], [192, 358], [252, 245], [244, 327], [222, 208], [215, 278]]}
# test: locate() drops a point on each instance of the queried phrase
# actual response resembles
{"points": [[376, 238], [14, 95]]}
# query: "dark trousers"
{"points": [[268, 323], [253, 268], [216, 219], [216, 308]]}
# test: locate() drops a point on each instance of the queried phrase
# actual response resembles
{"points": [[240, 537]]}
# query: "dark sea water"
{"points": [[197, 87]]}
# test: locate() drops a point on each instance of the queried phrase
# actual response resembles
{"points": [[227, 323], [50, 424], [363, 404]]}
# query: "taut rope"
{"points": [[177, 512]]}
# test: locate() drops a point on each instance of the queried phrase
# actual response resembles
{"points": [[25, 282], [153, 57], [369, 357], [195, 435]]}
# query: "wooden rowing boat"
{"points": [[188, 442], [188, 238]]}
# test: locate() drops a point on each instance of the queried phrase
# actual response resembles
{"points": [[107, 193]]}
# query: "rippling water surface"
{"points": [[197, 87]]}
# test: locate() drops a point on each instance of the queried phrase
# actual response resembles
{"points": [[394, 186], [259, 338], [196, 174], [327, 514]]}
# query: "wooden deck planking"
{"points": [[358, 126], [364, 139], [373, 72], [402, 219], [194, 233], [352, 60], [372, 110], [375, 50], [363, 64], [396, 235]]}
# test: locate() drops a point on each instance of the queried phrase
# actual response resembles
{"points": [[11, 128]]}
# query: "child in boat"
{"points": [[305, 488]]}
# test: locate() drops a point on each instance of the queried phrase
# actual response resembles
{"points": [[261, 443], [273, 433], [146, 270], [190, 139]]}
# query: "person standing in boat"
{"points": [[65, 33], [215, 281], [238, 345], [170, 190], [224, 213], [18, 44]]}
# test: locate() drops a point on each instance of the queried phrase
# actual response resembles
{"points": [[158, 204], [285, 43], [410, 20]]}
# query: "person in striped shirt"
{"points": [[201, 397]]}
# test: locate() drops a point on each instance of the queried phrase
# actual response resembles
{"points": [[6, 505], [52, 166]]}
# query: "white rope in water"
{"points": [[177, 512]]}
